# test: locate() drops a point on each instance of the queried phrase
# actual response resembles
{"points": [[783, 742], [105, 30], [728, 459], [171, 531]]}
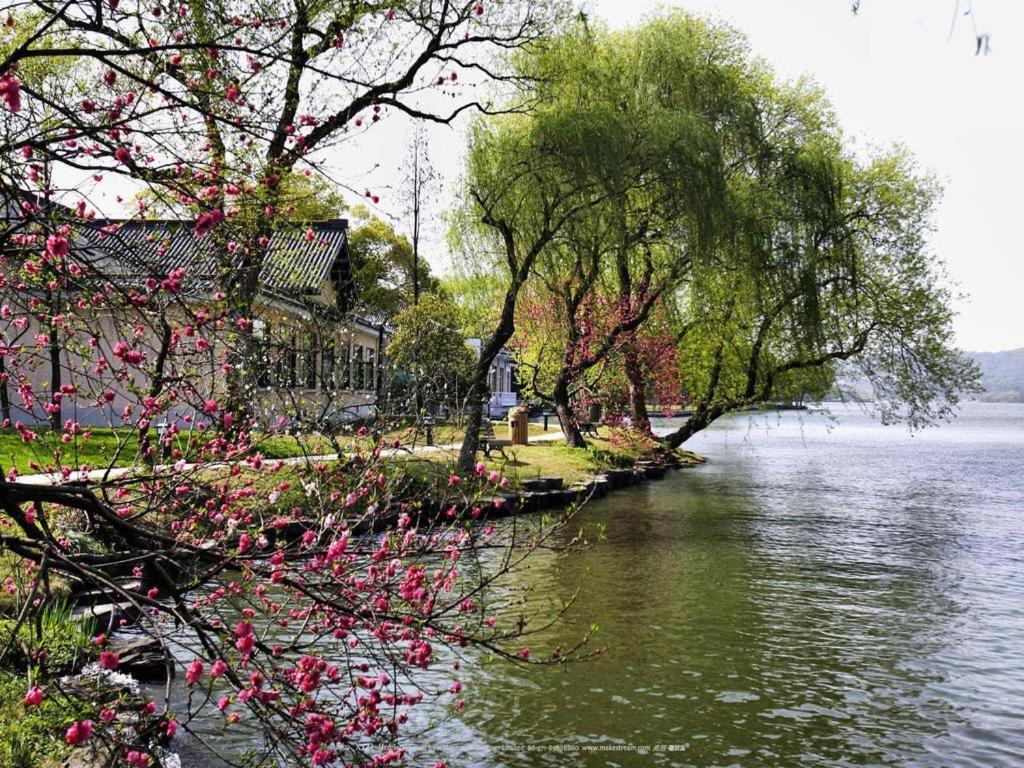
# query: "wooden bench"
{"points": [[488, 442]]}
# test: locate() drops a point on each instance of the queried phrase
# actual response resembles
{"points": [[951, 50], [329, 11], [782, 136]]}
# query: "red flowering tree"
{"points": [[645, 366], [310, 603], [300, 602]]}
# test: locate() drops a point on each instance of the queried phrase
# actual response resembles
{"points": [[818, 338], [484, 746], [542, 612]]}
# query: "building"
{"points": [[317, 357], [501, 380]]}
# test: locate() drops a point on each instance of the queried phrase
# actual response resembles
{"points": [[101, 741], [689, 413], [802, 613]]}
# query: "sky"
{"points": [[897, 71]]}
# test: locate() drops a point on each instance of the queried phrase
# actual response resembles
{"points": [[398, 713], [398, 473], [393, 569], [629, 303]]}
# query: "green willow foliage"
{"points": [[668, 155]]}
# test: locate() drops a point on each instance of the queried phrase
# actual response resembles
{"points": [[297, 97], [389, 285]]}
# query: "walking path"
{"points": [[98, 475]]}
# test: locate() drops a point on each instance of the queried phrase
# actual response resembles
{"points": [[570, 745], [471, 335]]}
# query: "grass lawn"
{"points": [[102, 447], [97, 448]]}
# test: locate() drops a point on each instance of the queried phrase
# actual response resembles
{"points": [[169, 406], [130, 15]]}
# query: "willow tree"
{"points": [[650, 115], [827, 272], [519, 198]]}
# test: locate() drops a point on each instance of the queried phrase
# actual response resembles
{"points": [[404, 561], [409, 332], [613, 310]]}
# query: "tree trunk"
{"points": [[56, 416], [570, 424], [155, 388], [637, 393], [471, 442], [5, 394], [700, 420]]}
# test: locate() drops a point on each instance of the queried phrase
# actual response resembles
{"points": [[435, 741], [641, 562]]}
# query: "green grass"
{"points": [[546, 459], [30, 738], [96, 448], [33, 737], [101, 447]]}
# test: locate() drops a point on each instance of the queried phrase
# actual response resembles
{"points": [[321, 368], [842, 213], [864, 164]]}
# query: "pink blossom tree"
{"points": [[313, 604]]}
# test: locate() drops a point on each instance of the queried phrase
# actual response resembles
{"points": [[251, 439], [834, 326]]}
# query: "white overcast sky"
{"points": [[894, 73]]}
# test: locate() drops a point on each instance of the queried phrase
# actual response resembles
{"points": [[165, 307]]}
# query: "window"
{"points": [[344, 375], [327, 366], [261, 352], [357, 367], [309, 361], [291, 364], [370, 378]]}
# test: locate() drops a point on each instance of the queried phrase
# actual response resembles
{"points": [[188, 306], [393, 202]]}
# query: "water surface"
{"points": [[812, 596]]}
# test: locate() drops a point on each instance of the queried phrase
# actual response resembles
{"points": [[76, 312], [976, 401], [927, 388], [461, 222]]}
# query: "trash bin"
{"points": [[518, 428]]}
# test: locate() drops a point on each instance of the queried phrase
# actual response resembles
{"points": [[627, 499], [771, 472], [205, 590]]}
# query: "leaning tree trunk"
{"points": [[701, 419], [637, 392], [566, 415]]}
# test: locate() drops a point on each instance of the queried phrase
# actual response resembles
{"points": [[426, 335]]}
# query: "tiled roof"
{"points": [[293, 264]]}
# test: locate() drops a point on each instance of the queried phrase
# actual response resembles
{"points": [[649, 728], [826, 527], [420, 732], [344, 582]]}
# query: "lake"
{"points": [[851, 595]]}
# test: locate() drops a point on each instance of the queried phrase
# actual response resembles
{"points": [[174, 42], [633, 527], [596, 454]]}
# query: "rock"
{"points": [[144, 659], [99, 595], [107, 616], [90, 756]]}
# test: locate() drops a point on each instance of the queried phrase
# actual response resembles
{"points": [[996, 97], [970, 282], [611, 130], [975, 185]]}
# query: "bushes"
{"points": [[56, 643]]}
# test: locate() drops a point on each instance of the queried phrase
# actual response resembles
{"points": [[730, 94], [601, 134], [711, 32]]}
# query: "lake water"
{"points": [[852, 596], [816, 594]]}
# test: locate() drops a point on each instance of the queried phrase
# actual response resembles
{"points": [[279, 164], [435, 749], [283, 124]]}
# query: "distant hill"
{"points": [[1002, 375]]}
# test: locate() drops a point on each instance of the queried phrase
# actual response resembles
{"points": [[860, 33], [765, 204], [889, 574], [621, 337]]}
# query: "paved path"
{"points": [[99, 475]]}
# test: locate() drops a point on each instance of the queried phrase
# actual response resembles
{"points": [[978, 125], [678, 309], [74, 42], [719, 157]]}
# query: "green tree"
{"points": [[647, 113], [384, 266], [837, 279], [429, 347]]}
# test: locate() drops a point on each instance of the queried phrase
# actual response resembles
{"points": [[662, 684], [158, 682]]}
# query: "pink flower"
{"points": [[525, 653], [210, 406], [57, 246], [244, 542], [79, 733], [222, 703], [109, 660], [194, 672], [454, 480], [122, 155], [10, 92], [219, 668], [208, 221], [33, 698]]}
